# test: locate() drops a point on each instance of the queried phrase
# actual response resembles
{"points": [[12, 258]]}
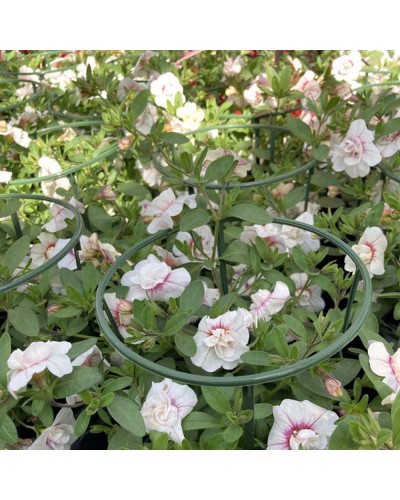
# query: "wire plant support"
{"points": [[73, 243]]}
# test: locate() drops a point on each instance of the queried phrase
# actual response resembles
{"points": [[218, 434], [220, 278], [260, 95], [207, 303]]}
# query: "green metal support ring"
{"points": [[242, 380], [25, 278]]}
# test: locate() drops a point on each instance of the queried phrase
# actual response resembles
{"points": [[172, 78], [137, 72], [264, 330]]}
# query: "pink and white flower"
{"points": [[221, 341], [155, 280], [60, 436], [167, 404], [92, 357], [310, 297], [385, 365], [266, 303], [165, 88], [270, 233], [190, 115], [164, 207], [371, 250], [69, 261], [121, 310], [207, 241], [49, 166], [301, 423], [36, 358], [233, 66], [309, 86], [294, 236], [146, 120], [43, 251], [357, 153], [347, 67], [389, 145], [60, 214]]}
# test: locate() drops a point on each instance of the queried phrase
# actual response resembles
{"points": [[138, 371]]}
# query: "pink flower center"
{"points": [[354, 147]]}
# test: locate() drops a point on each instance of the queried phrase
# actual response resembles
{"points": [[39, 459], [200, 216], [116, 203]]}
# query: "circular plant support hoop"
{"points": [[257, 378], [309, 167], [25, 278], [69, 171]]}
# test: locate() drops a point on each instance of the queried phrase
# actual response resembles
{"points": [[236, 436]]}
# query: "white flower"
{"points": [[207, 241], [165, 88], [167, 404], [36, 358], [92, 357], [232, 66], [310, 297], [347, 67], [60, 435], [164, 207], [191, 116], [155, 280], [121, 310], [308, 86], [270, 233], [49, 166], [150, 175], [266, 303], [93, 249], [21, 137], [60, 214], [221, 341], [146, 120], [241, 169], [5, 176], [43, 251], [371, 250], [81, 69], [389, 145], [357, 152], [69, 260], [211, 295], [253, 95], [305, 239], [385, 365], [238, 271], [301, 423]]}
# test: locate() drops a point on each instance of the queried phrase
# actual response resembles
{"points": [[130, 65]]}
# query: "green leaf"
{"points": [[321, 152], [185, 344], [82, 423], [256, 358], [341, 438], [74, 295], [175, 324], [124, 440], [37, 406], [118, 384], [232, 433], [79, 348], [216, 399], [220, 168], [5, 352], [391, 127], [8, 431], [194, 218], [90, 278], [396, 422], [80, 379], [16, 253], [67, 312], [24, 320], [199, 420], [138, 105], [127, 414], [174, 138], [9, 208], [262, 410], [159, 439], [237, 251], [300, 129], [46, 415], [249, 213], [134, 190], [192, 297]]}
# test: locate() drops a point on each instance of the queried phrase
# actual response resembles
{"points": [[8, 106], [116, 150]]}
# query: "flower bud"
{"points": [[106, 194], [332, 385], [333, 191], [54, 308], [125, 143]]}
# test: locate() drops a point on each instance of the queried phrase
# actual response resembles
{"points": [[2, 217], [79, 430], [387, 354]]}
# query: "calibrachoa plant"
{"points": [[190, 155]]}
